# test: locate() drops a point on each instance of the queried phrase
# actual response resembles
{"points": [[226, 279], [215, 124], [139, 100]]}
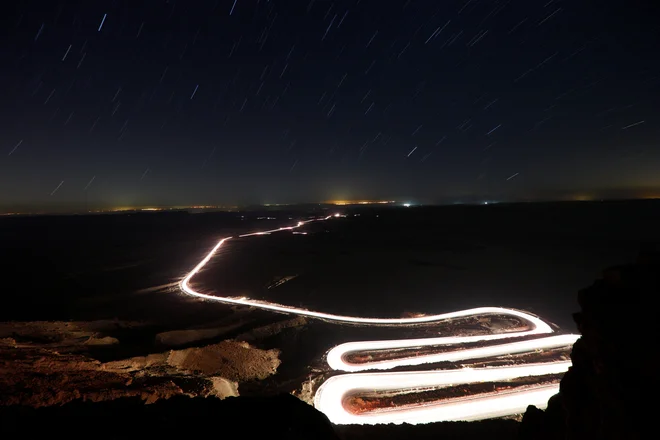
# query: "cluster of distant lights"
{"points": [[360, 202], [404, 204], [166, 208], [368, 202], [575, 198]]}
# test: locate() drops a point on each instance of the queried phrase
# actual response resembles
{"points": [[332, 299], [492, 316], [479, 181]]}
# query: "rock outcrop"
{"points": [[274, 417], [279, 417], [607, 392]]}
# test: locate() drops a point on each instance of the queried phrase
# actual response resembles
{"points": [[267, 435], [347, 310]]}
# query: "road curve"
{"points": [[331, 396]]}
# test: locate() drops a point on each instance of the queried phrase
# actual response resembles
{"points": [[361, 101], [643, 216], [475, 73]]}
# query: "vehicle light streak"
{"points": [[331, 395], [335, 357]]}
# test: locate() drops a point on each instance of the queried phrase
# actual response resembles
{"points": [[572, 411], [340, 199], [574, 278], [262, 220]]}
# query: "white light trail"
{"points": [[437, 32], [490, 132], [89, 183], [330, 397], [335, 357], [102, 21], [372, 39], [58, 187], [15, 147], [633, 125], [67, 52], [39, 33]]}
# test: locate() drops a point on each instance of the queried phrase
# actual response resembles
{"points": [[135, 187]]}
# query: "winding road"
{"points": [[331, 396]]}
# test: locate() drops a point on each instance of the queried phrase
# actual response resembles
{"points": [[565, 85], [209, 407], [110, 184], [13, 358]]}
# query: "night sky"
{"points": [[126, 103]]}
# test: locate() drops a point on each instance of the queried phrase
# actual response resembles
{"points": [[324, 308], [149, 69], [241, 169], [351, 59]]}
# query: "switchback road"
{"points": [[331, 397]]}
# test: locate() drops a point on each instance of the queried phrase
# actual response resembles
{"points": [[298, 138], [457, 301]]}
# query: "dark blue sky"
{"points": [[205, 102]]}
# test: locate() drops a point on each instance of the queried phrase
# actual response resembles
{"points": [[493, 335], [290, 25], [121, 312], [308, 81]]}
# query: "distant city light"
{"points": [[358, 202], [407, 205]]}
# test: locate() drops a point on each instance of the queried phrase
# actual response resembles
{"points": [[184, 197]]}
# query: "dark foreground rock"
{"points": [[278, 417], [610, 391], [482, 430]]}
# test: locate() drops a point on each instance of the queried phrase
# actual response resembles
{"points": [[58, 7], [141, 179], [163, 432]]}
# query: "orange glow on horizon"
{"points": [[359, 202]]}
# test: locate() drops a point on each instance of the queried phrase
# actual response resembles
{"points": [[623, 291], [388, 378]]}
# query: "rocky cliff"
{"points": [[609, 390]]}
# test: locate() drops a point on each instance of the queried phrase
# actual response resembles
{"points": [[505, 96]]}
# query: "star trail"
{"points": [[110, 103]]}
